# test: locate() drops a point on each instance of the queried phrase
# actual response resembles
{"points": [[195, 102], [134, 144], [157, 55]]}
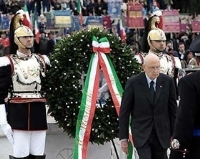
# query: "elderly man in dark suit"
{"points": [[149, 98], [186, 138]]}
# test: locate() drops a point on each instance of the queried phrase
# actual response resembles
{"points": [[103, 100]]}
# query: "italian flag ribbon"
{"points": [[99, 59]]}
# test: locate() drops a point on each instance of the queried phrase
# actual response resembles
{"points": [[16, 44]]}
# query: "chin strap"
{"points": [[156, 50]]}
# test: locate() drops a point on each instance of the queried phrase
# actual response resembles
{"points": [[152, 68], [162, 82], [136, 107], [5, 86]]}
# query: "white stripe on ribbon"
{"points": [[112, 79], [88, 104]]}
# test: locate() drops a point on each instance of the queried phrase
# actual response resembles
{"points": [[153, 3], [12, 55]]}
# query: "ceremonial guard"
{"points": [[154, 41], [22, 104], [186, 137]]}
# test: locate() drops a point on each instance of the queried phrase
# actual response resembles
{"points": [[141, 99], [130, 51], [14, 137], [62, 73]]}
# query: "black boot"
{"points": [[11, 157], [36, 157]]}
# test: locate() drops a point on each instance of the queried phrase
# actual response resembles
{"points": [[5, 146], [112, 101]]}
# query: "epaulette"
{"points": [[4, 61]]}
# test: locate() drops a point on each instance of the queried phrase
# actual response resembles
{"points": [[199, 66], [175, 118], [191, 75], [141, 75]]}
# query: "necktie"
{"points": [[152, 92]]}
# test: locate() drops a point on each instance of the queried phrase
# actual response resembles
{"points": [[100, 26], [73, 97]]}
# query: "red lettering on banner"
{"points": [[195, 26]]}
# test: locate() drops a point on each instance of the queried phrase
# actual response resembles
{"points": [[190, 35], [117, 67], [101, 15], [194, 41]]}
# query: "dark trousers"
{"points": [[194, 151], [152, 149]]}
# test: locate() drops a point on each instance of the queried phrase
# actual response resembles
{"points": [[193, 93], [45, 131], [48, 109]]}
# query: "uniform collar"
{"points": [[23, 56], [158, 54]]}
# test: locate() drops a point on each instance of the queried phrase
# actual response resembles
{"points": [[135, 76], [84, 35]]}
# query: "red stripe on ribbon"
{"points": [[91, 114], [103, 50], [106, 75]]}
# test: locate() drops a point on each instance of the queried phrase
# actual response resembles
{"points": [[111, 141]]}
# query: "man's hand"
{"points": [[175, 144], [8, 132], [124, 146]]}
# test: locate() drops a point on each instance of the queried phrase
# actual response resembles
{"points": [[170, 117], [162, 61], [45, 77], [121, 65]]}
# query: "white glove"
{"points": [[175, 144], [4, 124], [8, 132]]}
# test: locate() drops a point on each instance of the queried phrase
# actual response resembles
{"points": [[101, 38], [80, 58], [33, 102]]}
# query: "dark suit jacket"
{"points": [[188, 112], [144, 113], [50, 46]]}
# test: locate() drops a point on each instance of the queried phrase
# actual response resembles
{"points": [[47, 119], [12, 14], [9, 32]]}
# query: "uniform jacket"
{"points": [[20, 85], [144, 113], [188, 112]]}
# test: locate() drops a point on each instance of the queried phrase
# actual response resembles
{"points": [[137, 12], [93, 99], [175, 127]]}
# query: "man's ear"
{"points": [[143, 67]]}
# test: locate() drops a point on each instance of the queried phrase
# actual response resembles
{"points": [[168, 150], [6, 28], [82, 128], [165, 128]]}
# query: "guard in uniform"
{"points": [[154, 41], [22, 104], [186, 138]]}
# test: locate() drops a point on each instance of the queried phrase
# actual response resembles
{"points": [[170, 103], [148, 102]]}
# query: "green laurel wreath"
{"points": [[69, 62]]}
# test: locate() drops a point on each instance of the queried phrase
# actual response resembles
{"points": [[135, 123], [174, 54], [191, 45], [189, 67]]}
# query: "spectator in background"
{"points": [[84, 8], [50, 43], [190, 59], [144, 10], [46, 5], [38, 6], [73, 7], [154, 7], [181, 53], [124, 8], [98, 8], [134, 50], [185, 39], [175, 41], [104, 7], [56, 5], [3, 7], [21, 3], [91, 7], [42, 46], [42, 23], [64, 5], [30, 6], [4, 40], [114, 32]]}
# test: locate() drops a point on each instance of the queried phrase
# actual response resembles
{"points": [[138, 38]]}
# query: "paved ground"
{"points": [[58, 145]]}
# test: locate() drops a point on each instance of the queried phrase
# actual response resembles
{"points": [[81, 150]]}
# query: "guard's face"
{"points": [[27, 41], [159, 44], [152, 69]]}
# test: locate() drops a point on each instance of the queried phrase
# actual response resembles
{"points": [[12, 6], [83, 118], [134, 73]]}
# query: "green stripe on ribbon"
{"points": [[82, 110]]}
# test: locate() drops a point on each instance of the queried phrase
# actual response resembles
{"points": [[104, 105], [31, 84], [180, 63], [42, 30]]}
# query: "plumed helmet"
{"points": [[17, 30], [156, 34], [22, 31], [152, 32]]}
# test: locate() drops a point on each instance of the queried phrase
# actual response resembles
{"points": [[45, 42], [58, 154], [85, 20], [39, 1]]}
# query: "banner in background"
{"points": [[171, 23], [114, 8], [62, 18], [135, 19], [94, 22], [195, 26], [4, 25]]}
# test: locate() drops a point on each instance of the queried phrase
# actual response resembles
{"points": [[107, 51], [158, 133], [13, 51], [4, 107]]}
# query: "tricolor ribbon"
{"points": [[90, 91]]}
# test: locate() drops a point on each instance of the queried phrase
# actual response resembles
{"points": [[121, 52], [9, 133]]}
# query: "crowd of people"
{"points": [[89, 7]]}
